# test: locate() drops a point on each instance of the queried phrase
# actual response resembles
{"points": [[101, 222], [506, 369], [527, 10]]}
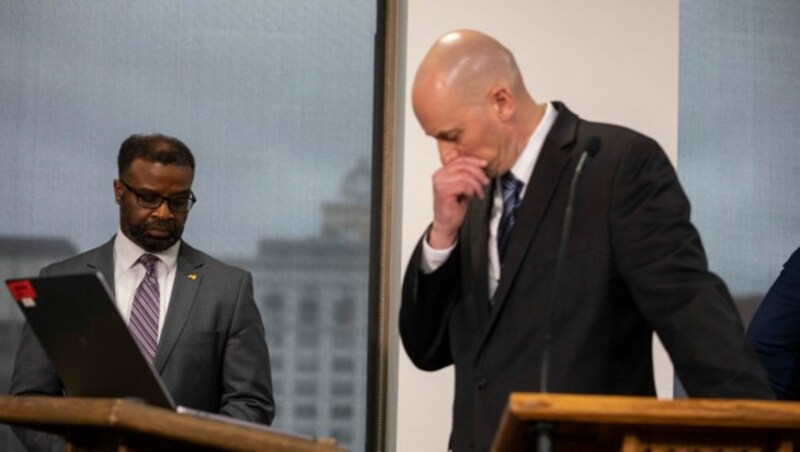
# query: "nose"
{"points": [[447, 151], [163, 210]]}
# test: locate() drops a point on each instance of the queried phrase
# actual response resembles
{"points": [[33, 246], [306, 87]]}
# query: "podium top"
{"points": [[593, 413], [649, 410], [136, 422]]}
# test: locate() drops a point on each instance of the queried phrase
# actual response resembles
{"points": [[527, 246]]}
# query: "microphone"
{"points": [[590, 148]]}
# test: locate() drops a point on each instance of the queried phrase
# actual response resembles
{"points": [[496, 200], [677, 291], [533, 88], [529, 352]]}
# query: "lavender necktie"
{"points": [[144, 312]]}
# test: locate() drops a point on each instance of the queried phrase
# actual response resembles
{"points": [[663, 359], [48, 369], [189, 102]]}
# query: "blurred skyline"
{"points": [[273, 98]]}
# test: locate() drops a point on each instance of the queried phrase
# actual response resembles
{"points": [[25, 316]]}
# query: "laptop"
{"points": [[88, 342], [78, 324]]}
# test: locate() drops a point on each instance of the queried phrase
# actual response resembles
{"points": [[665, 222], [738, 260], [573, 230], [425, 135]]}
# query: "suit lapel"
{"points": [[551, 166], [188, 277], [103, 262], [476, 245]]}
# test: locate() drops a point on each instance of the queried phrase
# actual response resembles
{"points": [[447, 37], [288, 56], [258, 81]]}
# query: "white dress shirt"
{"points": [[128, 275], [432, 258]]}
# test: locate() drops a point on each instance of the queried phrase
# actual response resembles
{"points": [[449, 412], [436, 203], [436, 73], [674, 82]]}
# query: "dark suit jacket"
{"points": [[775, 331], [212, 354], [634, 264]]}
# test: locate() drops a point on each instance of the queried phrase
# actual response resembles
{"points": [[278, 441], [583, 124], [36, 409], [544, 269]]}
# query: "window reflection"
{"points": [[290, 206], [305, 388], [342, 388], [315, 300]]}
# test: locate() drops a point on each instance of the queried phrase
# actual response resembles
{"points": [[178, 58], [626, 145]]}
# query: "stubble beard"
{"points": [[137, 232]]}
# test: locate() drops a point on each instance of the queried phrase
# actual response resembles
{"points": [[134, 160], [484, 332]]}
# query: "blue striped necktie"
{"points": [[144, 312], [512, 187]]}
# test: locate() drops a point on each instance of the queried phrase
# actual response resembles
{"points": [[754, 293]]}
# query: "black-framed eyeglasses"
{"points": [[150, 200]]}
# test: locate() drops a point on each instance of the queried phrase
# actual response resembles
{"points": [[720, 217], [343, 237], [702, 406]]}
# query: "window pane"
{"points": [[275, 100]]}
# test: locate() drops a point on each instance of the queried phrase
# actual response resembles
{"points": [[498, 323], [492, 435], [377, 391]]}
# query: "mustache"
{"points": [[162, 225]]}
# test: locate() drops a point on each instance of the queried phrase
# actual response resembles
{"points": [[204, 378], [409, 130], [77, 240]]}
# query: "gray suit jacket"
{"points": [[212, 354]]}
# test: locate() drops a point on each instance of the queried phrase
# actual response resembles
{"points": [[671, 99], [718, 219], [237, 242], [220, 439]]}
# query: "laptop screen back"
{"points": [[76, 321]]}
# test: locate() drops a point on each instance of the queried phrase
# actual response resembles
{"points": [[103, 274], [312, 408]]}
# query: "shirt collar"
{"points": [[523, 167], [126, 253]]}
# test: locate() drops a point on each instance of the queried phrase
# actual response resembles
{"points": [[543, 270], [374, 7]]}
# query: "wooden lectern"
{"points": [[120, 425], [639, 424]]}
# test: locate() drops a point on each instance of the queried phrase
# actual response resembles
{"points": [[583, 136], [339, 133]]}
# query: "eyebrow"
{"points": [[447, 134]]}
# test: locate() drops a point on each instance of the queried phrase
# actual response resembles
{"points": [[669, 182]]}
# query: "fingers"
{"points": [[454, 185], [462, 177], [447, 156]]}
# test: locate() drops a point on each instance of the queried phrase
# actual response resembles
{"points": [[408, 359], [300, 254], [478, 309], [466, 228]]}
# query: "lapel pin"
{"points": [[192, 276]]}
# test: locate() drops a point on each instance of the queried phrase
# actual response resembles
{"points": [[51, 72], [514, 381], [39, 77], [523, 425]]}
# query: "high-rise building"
{"points": [[312, 294]]}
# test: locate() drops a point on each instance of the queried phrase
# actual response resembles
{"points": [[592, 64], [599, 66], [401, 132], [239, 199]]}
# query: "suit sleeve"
{"points": [[659, 254], [775, 331], [427, 302], [34, 375], [246, 373]]}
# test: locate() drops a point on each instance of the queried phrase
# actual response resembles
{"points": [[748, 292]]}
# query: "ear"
{"points": [[118, 191], [502, 102]]}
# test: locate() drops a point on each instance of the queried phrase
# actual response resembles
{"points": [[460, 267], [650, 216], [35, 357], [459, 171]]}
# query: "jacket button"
{"points": [[480, 384]]}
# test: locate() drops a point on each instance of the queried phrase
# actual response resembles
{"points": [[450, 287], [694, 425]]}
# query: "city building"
{"points": [[312, 295]]}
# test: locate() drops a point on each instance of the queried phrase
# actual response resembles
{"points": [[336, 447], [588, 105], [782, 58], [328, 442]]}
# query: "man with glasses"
{"points": [[193, 316]]}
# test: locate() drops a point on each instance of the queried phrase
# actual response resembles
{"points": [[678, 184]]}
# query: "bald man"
{"points": [[479, 289]]}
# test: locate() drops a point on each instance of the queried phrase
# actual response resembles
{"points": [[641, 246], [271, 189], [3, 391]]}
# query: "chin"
{"points": [[152, 245]]}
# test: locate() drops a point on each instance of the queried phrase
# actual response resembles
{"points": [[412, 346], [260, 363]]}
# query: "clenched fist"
{"points": [[458, 180]]}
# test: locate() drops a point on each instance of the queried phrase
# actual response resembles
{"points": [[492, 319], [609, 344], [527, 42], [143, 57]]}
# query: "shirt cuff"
{"points": [[432, 258]]}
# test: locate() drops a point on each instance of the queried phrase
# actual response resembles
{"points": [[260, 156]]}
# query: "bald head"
{"points": [[468, 94], [468, 63]]}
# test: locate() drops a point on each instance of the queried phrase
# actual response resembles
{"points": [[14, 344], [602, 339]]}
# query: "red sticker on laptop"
{"points": [[21, 289]]}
